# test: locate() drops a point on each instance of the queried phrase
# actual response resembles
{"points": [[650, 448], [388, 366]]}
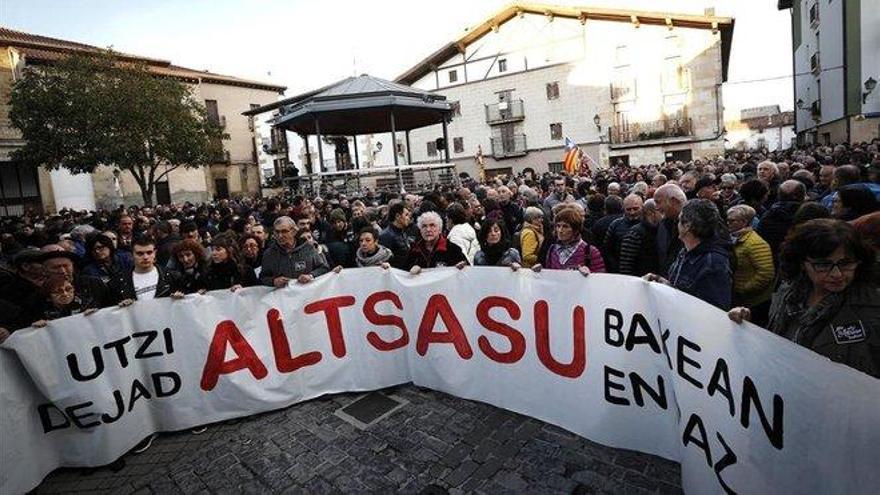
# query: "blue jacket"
{"points": [[704, 272], [828, 201]]}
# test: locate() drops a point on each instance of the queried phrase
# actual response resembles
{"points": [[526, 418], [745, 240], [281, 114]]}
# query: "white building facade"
{"points": [[836, 67], [626, 86]]}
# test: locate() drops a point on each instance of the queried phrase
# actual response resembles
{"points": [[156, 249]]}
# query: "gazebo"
{"points": [[356, 106]]}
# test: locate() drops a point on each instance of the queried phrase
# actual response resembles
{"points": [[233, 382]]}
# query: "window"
{"points": [[453, 76], [556, 131], [553, 90], [458, 144], [432, 148], [675, 78], [502, 65], [672, 46], [252, 118], [814, 14], [555, 167], [213, 112], [621, 56], [456, 108]]}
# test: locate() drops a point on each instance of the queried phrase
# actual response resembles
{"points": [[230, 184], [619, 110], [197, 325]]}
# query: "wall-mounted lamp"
{"points": [[870, 85], [598, 121], [800, 104], [378, 145]]}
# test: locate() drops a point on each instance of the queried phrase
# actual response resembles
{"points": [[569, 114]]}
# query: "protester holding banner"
{"points": [[433, 249], [830, 301], [570, 251], [495, 246], [754, 275], [146, 280], [702, 268], [286, 259], [192, 264], [227, 271], [62, 300], [370, 252], [103, 259]]}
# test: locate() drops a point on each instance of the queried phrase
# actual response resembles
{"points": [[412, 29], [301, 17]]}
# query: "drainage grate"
{"points": [[370, 409]]}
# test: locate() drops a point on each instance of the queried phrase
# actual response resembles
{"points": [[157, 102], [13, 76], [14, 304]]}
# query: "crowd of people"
{"points": [[788, 240]]}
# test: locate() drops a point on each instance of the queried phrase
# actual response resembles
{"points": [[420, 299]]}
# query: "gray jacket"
{"points": [[302, 259]]}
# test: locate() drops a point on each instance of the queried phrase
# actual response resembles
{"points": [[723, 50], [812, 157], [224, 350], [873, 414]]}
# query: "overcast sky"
{"points": [[305, 44]]}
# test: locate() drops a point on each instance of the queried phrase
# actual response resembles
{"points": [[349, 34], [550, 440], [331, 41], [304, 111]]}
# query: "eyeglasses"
{"points": [[844, 265]]}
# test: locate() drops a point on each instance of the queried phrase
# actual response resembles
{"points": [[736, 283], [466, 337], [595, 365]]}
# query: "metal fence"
{"points": [[507, 146], [647, 131], [416, 178], [506, 111]]}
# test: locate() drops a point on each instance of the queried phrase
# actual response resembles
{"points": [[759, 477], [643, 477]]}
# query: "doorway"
{"points": [[682, 155], [221, 188], [163, 193]]}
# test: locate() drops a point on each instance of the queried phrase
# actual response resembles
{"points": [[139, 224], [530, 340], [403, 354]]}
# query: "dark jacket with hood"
{"points": [[399, 242], [225, 275], [775, 223], [705, 272]]}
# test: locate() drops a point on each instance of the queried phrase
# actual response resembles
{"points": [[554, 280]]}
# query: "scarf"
{"points": [[381, 255], [494, 252], [565, 251]]}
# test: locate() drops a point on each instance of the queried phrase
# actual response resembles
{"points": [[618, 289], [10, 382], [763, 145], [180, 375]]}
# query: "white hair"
{"points": [[672, 191], [429, 216], [283, 220]]}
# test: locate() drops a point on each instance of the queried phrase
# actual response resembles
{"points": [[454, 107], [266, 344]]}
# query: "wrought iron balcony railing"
{"points": [[649, 131], [505, 111], [507, 146]]}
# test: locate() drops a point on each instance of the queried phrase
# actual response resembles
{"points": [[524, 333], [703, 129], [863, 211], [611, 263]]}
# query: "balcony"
{"points": [[509, 146], [650, 131], [505, 111]]}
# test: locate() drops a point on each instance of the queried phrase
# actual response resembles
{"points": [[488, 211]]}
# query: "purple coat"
{"points": [[584, 255]]}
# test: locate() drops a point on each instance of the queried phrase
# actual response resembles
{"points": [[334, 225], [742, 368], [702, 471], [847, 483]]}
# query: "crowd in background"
{"points": [[785, 239]]}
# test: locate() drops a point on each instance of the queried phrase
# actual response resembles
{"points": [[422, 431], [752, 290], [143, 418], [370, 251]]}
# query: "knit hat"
{"points": [[337, 215]]}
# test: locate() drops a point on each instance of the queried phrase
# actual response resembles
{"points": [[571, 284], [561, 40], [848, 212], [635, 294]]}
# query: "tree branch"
{"points": [[166, 172]]}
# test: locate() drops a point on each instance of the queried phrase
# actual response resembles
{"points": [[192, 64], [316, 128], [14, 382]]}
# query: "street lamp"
{"points": [[800, 104], [870, 84], [598, 121]]}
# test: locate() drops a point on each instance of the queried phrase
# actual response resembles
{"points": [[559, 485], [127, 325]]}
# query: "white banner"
{"points": [[615, 359]]}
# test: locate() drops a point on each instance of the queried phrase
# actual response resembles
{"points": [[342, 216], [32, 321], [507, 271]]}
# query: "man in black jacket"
{"points": [[638, 249], [776, 222], [670, 200], [395, 236], [632, 215], [146, 280]]}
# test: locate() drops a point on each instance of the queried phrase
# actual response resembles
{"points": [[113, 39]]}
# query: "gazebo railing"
{"points": [[416, 178]]}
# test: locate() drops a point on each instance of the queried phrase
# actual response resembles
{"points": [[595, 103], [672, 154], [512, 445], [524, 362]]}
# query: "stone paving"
{"points": [[434, 444]]}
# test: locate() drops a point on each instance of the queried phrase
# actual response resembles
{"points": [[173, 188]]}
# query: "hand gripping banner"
{"points": [[615, 359]]}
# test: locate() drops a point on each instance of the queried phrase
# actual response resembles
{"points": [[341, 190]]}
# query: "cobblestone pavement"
{"points": [[435, 441]]}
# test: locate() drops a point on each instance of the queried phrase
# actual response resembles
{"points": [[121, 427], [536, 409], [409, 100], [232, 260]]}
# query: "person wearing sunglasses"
{"points": [[829, 300]]}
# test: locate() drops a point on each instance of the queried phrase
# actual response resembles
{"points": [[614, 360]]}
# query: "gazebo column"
{"points": [[394, 150], [408, 151], [320, 148], [308, 155], [357, 156], [445, 140]]}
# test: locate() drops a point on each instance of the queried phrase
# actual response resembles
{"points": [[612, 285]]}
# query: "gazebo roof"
{"points": [[359, 105]]}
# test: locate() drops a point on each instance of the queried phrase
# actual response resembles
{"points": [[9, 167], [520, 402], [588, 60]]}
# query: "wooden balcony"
{"points": [[652, 131]]}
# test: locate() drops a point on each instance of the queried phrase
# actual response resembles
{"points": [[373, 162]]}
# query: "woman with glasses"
{"points": [[62, 300], [829, 301], [103, 260]]}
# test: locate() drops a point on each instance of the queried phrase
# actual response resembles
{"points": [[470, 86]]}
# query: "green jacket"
{"points": [[843, 327]]}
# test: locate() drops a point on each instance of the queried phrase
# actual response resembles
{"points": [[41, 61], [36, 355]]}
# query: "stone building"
{"points": [[836, 68], [225, 97], [766, 128], [627, 86]]}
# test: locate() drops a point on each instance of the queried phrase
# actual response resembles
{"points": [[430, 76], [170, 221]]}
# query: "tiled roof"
{"points": [[37, 48], [457, 46]]}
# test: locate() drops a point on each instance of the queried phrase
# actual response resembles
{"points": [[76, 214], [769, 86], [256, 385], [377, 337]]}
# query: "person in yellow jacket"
{"points": [[532, 236], [754, 275]]}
